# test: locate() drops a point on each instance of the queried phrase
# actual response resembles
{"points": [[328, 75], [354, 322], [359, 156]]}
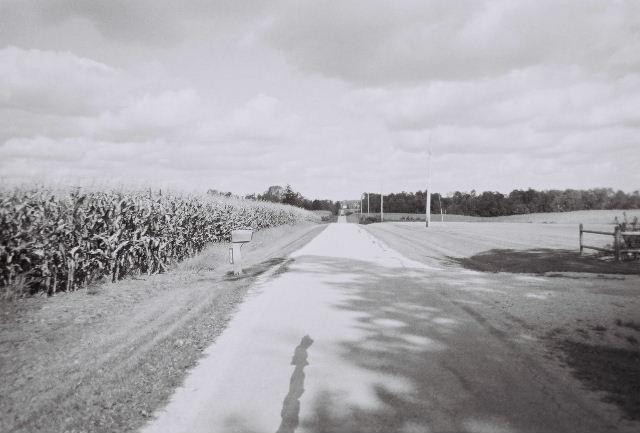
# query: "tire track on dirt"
{"points": [[546, 381], [159, 339]]}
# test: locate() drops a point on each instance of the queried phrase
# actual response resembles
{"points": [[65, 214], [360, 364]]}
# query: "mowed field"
{"points": [[467, 239], [528, 283], [575, 217]]}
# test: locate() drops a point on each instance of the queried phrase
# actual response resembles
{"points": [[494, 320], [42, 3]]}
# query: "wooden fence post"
{"points": [[581, 248], [616, 243]]}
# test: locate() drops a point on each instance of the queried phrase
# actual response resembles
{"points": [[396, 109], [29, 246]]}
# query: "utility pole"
{"points": [[381, 205], [428, 197]]}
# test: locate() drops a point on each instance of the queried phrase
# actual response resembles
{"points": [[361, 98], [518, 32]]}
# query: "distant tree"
{"points": [[291, 197], [288, 195], [487, 203], [274, 193], [221, 193], [493, 203]]}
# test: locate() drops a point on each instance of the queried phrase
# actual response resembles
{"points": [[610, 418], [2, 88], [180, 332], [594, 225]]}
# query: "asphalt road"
{"points": [[348, 335]]}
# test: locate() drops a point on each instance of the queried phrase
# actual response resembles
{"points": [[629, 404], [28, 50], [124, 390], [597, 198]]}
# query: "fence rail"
{"points": [[618, 241]]}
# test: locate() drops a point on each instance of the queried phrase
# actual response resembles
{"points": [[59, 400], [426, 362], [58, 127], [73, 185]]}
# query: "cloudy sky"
{"points": [[333, 97]]}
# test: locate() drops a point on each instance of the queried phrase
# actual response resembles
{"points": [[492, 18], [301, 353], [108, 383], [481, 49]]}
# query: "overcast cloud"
{"points": [[332, 97]]}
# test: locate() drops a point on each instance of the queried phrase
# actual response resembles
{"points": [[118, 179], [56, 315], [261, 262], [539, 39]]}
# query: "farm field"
{"points": [[528, 281], [385, 328], [183, 247], [62, 240], [102, 359], [504, 322], [467, 239], [573, 217]]}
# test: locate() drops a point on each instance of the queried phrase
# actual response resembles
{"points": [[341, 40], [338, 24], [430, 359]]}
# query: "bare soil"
{"points": [[103, 359], [578, 315], [616, 372]]}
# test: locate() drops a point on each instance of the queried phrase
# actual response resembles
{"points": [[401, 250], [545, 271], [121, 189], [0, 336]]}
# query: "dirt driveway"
{"points": [[349, 335]]}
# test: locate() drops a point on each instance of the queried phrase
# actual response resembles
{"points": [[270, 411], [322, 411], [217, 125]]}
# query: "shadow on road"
{"points": [[437, 363], [291, 405], [257, 269], [540, 261]]}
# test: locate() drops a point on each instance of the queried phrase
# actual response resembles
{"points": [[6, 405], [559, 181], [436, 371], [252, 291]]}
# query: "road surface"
{"points": [[348, 335]]}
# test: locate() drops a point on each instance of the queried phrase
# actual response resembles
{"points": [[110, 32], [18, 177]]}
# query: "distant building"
{"points": [[350, 204]]}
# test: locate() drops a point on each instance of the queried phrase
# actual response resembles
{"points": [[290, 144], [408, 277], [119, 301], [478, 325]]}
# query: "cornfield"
{"points": [[51, 242]]}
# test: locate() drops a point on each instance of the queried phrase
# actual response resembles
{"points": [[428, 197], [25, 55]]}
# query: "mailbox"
{"points": [[241, 235], [238, 238]]}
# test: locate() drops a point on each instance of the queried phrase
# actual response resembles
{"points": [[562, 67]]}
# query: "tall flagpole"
{"points": [[428, 198]]}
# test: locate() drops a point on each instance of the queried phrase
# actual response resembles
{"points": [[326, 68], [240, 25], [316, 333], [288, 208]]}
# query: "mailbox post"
{"points": [[238, 238]]}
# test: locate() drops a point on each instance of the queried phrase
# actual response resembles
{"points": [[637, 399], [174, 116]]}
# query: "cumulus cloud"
{"points": [[383, 42], [60, 94], [332, 97], [539, 98], [71, 117], [164, 115], [153, 23], [58, 82]]}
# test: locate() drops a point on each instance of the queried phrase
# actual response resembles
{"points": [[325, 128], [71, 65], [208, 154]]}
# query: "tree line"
{"points": [[491, 203], [287, 195]]}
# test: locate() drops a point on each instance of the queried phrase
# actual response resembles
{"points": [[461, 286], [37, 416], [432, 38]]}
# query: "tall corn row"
{"points": [[50, 242]]}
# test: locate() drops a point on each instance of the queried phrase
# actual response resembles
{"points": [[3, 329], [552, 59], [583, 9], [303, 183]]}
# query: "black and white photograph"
{"points": [[319, 216]]}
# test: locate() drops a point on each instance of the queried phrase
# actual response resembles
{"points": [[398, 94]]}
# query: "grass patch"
{"points": [[616, 372], [628, 324], [540, 261]]}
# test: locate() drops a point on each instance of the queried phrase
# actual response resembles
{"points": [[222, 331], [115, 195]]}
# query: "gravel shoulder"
{"points": [[580, 317], [103, 359]]}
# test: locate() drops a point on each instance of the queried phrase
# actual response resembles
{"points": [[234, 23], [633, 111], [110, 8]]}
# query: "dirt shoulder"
{"points": [[576, 316], [103, 359]]}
